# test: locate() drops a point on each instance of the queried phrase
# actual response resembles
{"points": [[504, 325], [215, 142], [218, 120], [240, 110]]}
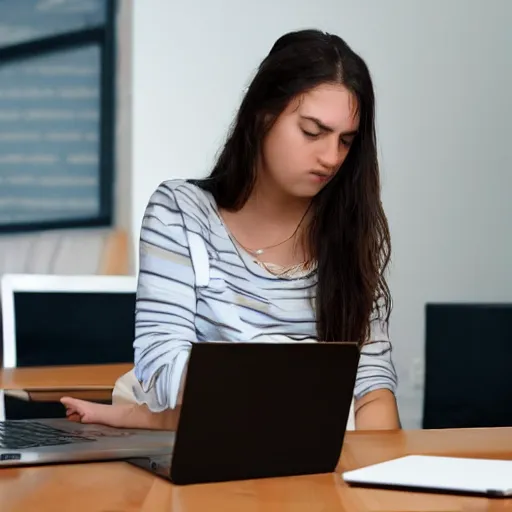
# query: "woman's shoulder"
{"points": [[182, 197], [184, 194]]}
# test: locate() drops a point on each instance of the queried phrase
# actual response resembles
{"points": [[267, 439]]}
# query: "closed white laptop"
{"points": [[439, 474]]}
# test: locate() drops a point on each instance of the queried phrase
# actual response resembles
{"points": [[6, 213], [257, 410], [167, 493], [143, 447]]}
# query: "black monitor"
{"points": [[63, 328], [468, 357]]}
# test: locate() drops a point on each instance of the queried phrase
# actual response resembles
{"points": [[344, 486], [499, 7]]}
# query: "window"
{"points": [[56, 113]]}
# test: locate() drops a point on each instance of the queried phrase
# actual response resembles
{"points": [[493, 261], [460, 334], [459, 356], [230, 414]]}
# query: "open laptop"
{"points": [[250, 410]]}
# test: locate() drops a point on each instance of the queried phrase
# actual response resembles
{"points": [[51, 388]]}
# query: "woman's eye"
{"points": [[310, 134]]}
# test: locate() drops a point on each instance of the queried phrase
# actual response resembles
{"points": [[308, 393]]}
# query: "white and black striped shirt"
{"points": [[196, 285]]}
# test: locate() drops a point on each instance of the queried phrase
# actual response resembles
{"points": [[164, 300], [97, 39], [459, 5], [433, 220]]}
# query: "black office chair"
{"points": [[468, 356], [64, 320]]}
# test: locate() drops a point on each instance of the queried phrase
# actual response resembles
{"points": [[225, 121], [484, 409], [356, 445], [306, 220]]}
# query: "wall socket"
{"points": [[417, 374]]}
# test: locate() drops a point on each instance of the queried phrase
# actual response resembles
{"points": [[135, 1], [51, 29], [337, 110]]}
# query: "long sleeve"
{"points": [[166, 300], [376, 369]]}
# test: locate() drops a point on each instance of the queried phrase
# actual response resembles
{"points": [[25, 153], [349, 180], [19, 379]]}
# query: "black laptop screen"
{"points": [[62, 328]]}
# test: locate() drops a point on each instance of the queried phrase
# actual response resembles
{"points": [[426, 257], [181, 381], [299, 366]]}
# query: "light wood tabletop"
{"points": [[119, 486], [90, 382]]}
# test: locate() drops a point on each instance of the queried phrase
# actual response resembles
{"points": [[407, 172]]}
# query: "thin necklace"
{"points": [[261, 250]]}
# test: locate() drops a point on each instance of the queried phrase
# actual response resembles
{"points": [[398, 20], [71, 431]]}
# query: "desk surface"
{"points": [[118, 486], [101, 376]]}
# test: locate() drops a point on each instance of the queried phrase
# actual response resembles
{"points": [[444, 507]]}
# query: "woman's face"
{"points": [[310, 140]]}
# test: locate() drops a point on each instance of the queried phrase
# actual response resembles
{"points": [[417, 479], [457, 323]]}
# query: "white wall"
{"points": [[123, 175], [442, 71]]}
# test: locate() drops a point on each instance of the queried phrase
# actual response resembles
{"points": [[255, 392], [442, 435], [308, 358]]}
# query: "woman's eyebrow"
{"points": [[325, 127]]}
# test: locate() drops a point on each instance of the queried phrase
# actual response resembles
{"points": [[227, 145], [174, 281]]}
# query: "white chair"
{"points": [[13, 285], [351, 423]]}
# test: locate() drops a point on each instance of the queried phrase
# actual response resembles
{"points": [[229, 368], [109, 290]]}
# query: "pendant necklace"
{"points": [[261, 250]]}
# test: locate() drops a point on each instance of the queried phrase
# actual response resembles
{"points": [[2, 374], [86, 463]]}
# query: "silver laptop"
{"points": [[250, 410], [26, 442], [434, 473]]}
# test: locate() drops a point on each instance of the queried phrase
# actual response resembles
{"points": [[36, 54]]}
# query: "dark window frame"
{"points": [[104, 36]]}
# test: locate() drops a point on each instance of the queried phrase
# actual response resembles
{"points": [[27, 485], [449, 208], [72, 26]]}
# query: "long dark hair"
{"points": [[348, 236]]}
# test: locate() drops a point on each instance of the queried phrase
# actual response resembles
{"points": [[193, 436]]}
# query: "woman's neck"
{"points": [[271, 205], [271, 224]]}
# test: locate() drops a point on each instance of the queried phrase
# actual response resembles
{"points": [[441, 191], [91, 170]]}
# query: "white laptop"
{"points": [[422, 473]]}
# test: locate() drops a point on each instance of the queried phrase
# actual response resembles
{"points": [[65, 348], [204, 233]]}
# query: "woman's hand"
{"points": [[120, 416], [82, 411]]}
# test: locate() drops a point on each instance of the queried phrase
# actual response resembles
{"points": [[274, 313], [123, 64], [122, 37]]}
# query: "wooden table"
{"points": [[119, 486], [49, 383]]}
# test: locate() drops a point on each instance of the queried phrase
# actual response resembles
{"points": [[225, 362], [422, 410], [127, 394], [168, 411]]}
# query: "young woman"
{"points": [[286, 240]]}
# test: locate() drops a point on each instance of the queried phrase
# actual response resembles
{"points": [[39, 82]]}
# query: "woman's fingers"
{"points": [[72, 403], [74, 416], [75, 409]]}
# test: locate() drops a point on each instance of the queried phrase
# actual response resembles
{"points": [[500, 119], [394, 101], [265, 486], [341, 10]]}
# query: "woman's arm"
{"points": [[376, 382], [377, 410], [121, 416], [166, 297]]}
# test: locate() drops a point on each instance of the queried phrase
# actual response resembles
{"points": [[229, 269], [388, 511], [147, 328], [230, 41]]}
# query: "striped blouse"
{"points": [[197, 285]]}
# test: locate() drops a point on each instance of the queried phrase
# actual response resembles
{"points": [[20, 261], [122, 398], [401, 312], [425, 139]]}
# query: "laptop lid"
{"points": [[255, 410], [459, 475]]}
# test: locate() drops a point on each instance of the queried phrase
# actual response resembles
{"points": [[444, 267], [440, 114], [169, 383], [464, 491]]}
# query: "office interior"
{"points": [[101, 101]]}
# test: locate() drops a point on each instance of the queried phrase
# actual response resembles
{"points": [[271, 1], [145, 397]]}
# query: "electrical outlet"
{"points": [[417, 375]]}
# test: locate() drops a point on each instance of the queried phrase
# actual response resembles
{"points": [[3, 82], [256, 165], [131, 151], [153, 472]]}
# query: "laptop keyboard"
{"points": [[16, 435]]}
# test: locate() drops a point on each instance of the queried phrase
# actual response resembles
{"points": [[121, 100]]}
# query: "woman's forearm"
{"points": [[377, 410], [139, 416]]}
